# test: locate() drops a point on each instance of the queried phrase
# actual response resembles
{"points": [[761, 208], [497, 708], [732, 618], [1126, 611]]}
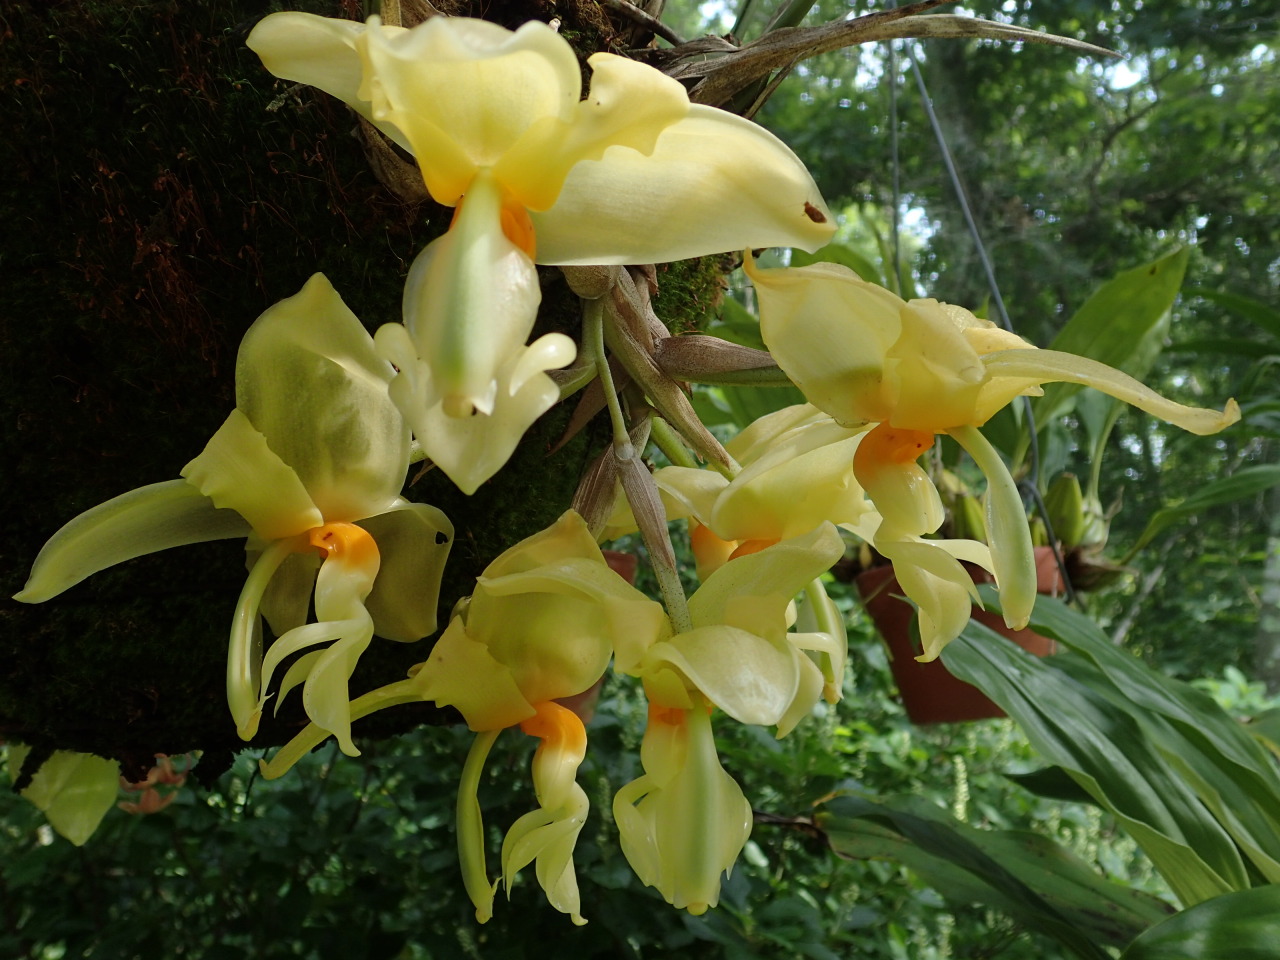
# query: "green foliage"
{"points": [[1235, 926], [1186, 780]]}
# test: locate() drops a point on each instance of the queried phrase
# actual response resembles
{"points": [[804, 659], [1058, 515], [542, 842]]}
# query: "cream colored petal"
{"points": [[472, 449], [464, 92], [309, 380], [773, 576], [937, 584], [462, 673], [567, 538], [746, 676], [830, 332], [628, 106], [691, 491], [1051, 366], [714, 183], [549, 836], [1007, 530], [470, 300], [320, 52], [792, 491], [238, 471], [414, 540], [937, 375], [142, 521]]}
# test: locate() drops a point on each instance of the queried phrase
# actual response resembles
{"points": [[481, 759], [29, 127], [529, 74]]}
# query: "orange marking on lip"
{"points": [[557, 725], [335, 540], [517, 225], [886, 444]]}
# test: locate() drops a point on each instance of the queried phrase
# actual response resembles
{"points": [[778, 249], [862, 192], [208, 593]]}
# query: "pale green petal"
{"points": [[830, 332], [746, 676], [693, 492], [472, 449], [287, 599], [805, 480], [464, 92], [550, 837], [462, 673], [629, 105], [714, 183], [309, 380], [774, 575], [808, 692], [938, 585], [1007, 530], [325, 695], [139, 522], [1051, 366], [938, 375], [320, 52], [470, 301], [701, 821], [73, 790], [238, 471], [414, 540]]}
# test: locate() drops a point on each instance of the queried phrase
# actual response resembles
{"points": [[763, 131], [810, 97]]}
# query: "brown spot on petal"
{"points": [[813, 213]]}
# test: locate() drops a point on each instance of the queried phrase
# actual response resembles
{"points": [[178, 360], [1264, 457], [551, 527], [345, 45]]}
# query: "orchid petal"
{"points": [[470, 301], [320, 52], [714, 183], [238, 470], [146, 520], [1052, 366], [746, 676], [938, 585], [805, 480], [472, 449], [488, 87], [830, 332], [682, 834], [414, 540], [629, 105], [286, 602], [776, 575], [449, 677], [308, 379]]}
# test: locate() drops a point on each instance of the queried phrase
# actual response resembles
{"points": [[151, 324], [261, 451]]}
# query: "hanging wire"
{"points": [[1030, 485]]}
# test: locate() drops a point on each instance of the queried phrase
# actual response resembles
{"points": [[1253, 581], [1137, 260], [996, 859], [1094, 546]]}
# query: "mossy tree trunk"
{"points": [[160, 191]]}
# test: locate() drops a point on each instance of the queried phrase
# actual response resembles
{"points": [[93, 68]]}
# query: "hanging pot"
{"points": [[930, 693]]}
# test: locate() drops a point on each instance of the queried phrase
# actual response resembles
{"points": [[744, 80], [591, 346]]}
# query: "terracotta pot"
{"points": [[930, 693]]}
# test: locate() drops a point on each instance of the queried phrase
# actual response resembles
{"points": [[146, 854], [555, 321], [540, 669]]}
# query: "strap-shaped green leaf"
{"points": [[1238, 926]]}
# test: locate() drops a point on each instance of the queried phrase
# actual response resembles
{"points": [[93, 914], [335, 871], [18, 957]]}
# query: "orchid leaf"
{"points": [[1033, 879], [1244, 925]]}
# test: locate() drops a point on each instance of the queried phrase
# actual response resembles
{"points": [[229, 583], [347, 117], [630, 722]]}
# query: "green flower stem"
{"points": [[661, 554], [311, 736], [471, 827], [668, 441], [593, 341], [1007, 529]]}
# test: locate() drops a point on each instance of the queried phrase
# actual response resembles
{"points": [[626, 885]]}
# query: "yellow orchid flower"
{"points": [[797, 473], [308, 465], [917, 369], [542, 625], [631, 174], [684, 821]]}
